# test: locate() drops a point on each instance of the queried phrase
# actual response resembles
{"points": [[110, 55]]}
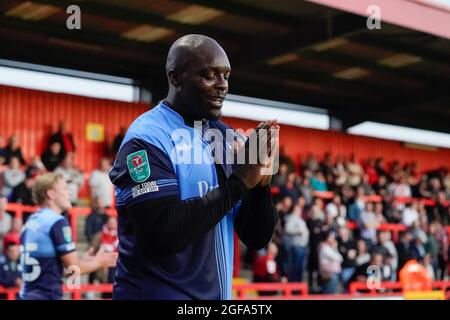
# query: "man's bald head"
{"points": [[190, 48], [198, 70]]}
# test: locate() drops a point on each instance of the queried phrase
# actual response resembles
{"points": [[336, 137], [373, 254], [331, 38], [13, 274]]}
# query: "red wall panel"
{"points": [[35, 114]]}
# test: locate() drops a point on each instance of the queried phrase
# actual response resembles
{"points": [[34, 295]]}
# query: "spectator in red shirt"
{"points": [[109, 241], [371, 171], [265, 268], [106, 240]]}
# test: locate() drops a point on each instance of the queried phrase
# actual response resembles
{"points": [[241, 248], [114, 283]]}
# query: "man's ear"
{"points": [[175, 78], [50, 193]]}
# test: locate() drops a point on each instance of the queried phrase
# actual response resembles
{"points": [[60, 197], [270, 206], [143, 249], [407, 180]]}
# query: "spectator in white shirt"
{"points": [[5, 219], [296, 240], [410, 214], [73, 177], [330, 261], [368, 223], [12, 177], [335, 208], [400, 188], [429, 267], [355, 171], [100, 184]]}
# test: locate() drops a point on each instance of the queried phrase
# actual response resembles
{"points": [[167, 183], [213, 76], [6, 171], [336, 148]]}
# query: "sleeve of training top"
{"points": [[142, 172], [61, 235], [147, 188], [256, 219], [167, 225]]}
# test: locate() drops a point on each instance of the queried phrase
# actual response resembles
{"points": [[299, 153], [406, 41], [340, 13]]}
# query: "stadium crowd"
{"points": [[17, 177], [331, 210]]}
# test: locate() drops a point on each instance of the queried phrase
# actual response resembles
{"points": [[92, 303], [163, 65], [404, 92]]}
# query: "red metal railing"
{"points": [[354, 287], [19, 209], [289, 291], [286, 290], [10, 293]]}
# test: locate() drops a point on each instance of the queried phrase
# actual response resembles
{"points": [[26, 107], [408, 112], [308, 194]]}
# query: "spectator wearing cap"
{"points": [[22, 193], [10, 276]]}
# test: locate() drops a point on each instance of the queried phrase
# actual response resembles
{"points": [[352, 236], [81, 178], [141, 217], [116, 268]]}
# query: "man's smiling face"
{"points": [[205, 82]]}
